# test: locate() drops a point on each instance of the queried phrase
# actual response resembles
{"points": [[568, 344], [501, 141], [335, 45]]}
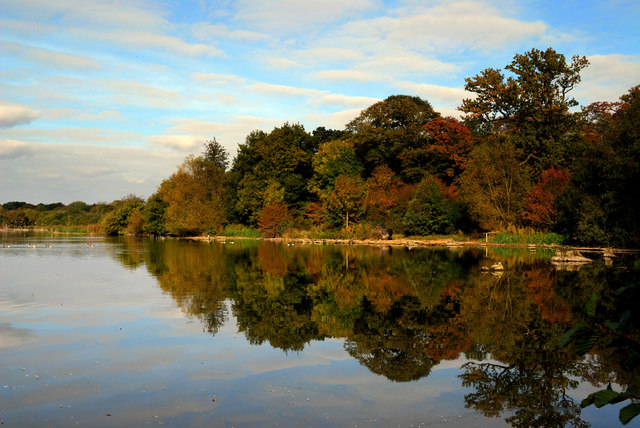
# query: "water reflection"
{"points": [[401, 314]]}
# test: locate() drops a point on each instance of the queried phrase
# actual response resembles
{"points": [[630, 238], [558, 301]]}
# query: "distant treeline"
{"points": [[524, 157]]}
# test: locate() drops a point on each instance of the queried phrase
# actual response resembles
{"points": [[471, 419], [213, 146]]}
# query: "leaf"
{"points": [[629, 412], [590, 306], [621, 290], [588, 401], [585, 342], [611, 325], [624, 318], [569, 335], [605, 397]]}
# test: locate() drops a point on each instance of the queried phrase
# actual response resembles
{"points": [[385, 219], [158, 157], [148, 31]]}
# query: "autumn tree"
{"points": [[390, 130], [531, 98], [443, 152], [495, 183], [540, 211], [195, 197], [386, 198]]}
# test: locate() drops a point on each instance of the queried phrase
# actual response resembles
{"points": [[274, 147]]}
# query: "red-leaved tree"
{"points": [[540, 211]]}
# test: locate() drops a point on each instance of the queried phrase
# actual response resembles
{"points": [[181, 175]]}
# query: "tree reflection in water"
{"points": [[402, 312]]}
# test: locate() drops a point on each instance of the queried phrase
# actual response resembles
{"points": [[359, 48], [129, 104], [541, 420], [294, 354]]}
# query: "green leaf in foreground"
{"points": [[629, 412]]}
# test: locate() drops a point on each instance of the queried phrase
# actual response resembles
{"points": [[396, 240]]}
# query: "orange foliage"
{"points": [[385, 191], [541, 293], [451, 138], [598, 115], [384, 289], [540, 212], [272, 261], [273, 217]]}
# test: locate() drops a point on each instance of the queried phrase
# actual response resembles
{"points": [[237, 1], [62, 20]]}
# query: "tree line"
{"points": [[524, 156]]}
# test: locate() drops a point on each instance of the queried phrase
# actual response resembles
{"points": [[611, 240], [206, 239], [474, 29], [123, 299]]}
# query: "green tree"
{"points": [[334, 158], [283, 155], [154, 216], [389, 131], [429, 211], [117, 221], [216, 153]]}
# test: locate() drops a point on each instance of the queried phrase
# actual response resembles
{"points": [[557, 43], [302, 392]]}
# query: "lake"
{"points": [[131, 332]]}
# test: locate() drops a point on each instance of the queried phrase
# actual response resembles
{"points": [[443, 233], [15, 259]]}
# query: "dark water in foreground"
{"points": [[131, 332]]}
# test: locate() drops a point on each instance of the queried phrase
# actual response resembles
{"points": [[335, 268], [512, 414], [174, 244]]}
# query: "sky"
{"points": [[101, 99]]}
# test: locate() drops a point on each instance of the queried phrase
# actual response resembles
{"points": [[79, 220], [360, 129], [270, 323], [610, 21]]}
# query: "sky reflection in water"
{"points": [[132, 332]]}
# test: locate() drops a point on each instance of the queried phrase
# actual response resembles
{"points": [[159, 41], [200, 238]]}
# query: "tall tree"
{"points": [[216, 153], [429, 211], [195, 197], [533, 100]]}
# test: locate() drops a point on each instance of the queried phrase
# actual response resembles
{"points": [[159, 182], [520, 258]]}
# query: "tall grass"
{"points": [[536, 238], [240, 231]]}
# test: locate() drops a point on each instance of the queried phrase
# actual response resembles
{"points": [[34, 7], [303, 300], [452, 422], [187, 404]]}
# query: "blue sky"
{"points": [[99, 99]]}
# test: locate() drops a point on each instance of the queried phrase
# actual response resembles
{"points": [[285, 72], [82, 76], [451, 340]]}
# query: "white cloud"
{"points": [[407, 62], [114, 14], [135, 93], [47, 57], [218, 79], [467, 24], [207, 31], [336, 120], [139, 39], [12, 149], [435, 94], [608, 77], [184, 143], [348, 75], [71, 172], [288, 91], [346, 101], [82, 115], [282, 64], [88, 136], [16, 114], [278, 16]]}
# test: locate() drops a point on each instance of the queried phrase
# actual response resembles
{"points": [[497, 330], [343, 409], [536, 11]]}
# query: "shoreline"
{"points": [[403, 242], [416, 243]]}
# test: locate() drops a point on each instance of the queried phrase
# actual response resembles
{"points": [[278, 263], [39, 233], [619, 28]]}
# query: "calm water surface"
{"points": [[131, 332]]}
